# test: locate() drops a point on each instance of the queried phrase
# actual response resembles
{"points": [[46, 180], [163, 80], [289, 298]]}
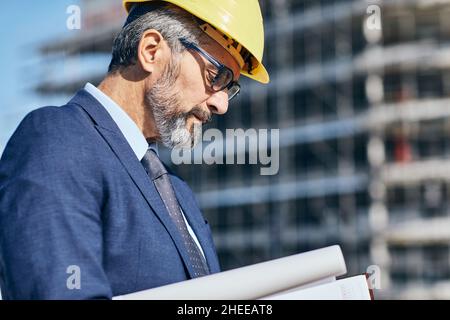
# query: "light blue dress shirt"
{"points": [[132, 134]]}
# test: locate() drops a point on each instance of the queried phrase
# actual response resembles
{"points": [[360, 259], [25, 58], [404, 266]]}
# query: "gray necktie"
{"points": [[158, 173]]}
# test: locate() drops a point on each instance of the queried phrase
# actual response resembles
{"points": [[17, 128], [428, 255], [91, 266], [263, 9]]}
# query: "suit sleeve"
{"points": [[50, 213]]}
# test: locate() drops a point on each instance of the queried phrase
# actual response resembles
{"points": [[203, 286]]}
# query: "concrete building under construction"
{"points": [[364, 124]]}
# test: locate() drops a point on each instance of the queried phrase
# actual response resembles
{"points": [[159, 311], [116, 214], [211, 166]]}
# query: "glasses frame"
{"points": [[233, 87]]}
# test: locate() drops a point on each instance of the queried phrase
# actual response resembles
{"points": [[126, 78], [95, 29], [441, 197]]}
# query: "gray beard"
{"points": [[165, 103]]}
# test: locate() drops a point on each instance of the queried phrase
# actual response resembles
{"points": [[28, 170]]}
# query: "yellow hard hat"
{"points": [[236, 24]]}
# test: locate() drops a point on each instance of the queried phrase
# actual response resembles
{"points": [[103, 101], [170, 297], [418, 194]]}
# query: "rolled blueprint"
{"points": [[254, 281]]}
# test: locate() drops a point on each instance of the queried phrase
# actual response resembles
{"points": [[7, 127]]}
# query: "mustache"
{"points": [[203, 115]]}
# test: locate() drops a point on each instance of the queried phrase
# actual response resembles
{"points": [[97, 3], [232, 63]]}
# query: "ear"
{"points": [[151, 50]]}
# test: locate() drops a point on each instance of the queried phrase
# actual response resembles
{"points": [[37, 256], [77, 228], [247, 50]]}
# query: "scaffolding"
{"points": [[364, 160]]}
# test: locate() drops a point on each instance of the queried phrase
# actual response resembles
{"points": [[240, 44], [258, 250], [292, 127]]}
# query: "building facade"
{"points": [[363, 149]]}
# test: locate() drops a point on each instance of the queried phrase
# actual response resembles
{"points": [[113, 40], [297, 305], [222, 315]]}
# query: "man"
{"points": [[87, 210]]}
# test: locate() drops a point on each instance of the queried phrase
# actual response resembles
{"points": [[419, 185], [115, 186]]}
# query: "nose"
{"points": [[218, 102]]}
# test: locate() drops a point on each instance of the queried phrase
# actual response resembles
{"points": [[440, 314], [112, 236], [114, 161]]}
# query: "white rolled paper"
{"points": [[254, 281]]}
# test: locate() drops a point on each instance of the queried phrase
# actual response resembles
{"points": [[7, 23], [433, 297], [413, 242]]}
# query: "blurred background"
{"points": [[364, 123]]}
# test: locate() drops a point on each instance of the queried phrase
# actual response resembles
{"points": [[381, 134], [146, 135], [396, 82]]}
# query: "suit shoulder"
{"points": [[47, 133], [53, 125], [48, 119]]}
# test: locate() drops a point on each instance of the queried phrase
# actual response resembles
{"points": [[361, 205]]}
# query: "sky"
{"points": [[24, 25]]}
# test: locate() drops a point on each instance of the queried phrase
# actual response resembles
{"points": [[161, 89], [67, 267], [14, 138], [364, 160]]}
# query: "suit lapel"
{"points": [[115, 139]]}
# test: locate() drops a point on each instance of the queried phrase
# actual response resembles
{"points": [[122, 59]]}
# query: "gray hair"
{"points": [[172, 22]]}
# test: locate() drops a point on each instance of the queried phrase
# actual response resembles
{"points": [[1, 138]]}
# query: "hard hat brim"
{"points": [[259, 74]]}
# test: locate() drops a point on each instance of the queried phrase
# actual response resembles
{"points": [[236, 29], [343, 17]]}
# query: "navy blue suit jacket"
{"points": [[73, 193]]}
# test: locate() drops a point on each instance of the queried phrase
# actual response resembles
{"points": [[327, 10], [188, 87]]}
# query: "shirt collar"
{"points": [[127, 126]]}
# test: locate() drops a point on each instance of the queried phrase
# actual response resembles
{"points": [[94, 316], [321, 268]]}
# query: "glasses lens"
{"points": [[222, 79], [233, 91]]}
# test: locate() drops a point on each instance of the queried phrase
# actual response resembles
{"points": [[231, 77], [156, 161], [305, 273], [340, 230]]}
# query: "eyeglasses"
{"points": [[224, 79]]}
